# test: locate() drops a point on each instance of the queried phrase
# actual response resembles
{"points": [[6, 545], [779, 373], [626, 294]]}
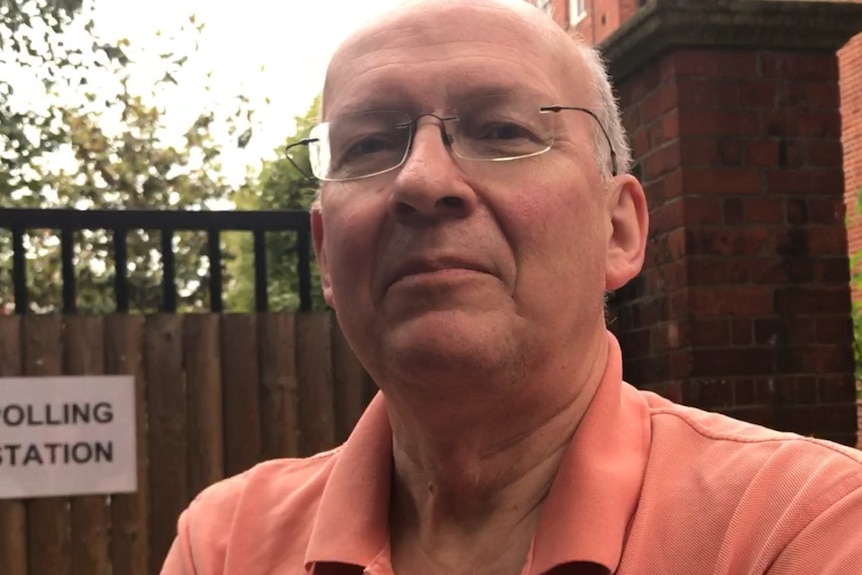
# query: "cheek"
{"points": [[559, 239], [350, 240]]}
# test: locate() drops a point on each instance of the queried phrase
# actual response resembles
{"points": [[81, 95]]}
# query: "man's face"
{"points": [[445, 265]]}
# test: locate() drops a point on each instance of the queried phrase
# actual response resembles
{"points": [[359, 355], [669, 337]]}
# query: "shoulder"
{"points": [[738, 493], [246, 511], [679, 426]]}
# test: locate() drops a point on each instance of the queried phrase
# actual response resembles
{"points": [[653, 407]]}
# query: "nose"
{"points": [[430, 186]]}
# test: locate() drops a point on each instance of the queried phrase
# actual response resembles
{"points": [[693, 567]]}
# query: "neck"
{"points": [[471, 474]]}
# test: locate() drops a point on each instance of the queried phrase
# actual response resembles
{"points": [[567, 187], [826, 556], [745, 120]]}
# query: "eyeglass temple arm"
{"points": [[302, 142], [601, 127]]}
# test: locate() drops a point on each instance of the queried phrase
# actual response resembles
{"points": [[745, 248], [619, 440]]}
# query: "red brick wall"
{"points": [[603, 17], [850, 66], [742, 305]]}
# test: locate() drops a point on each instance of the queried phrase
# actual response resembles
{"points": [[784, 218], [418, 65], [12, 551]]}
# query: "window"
{"points": [[577, 11], [545, 6]]}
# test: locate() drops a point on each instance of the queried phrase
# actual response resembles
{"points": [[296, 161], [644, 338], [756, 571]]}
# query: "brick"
{"points": [[741, 331], [670, 125], [707, 271], [709, 332], [715, 63], [780, 270], [823, 95], [758, 94], [761, 152], [804, 124], [725, 241], [811, 300], [636, 343], [757, 391], [727, 181], [799, 66], [730, 362], [698, 152], [631, 118], [718, 123], [791, 391], [834, 419], [731, 152], [756, 415], [695, 93], [796, 211], [769, 330], [659, 101], [823, 181], [640, 143], [797, 419], [830, 241], [732, 301], [667, 217], [831, 270], [702, 210], [836, 389], [764, 210], [799, 330], [661, 161], [825, 153], [818, 359], [710, 393], [734, 212], [833, 329], [666, 336]]}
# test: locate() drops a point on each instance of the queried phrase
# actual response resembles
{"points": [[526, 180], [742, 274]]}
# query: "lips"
{"points": [[429, 265]]}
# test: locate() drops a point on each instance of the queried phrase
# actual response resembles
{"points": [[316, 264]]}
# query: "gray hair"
{"points": [[608, 112]]}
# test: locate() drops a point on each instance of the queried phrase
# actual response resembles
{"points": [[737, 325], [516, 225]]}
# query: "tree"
{"points": [[280, 186], [90, 139]]}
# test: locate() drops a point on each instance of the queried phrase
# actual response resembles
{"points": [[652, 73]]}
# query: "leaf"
{"points": [[244, 138]]}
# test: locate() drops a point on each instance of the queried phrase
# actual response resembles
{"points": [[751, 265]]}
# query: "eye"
{"points": [[368, 145], [507, 132]]}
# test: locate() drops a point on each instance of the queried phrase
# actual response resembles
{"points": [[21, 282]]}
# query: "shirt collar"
{"points": [[595, 493], [585, 517]]}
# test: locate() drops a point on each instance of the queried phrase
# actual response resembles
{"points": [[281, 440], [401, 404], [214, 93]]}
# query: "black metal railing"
{"points": [[120, 222]]}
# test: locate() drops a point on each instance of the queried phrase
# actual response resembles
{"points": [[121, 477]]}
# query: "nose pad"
{"points": [[444, 135]]}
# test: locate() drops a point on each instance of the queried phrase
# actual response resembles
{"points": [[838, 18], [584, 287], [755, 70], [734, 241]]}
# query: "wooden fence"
{"points": [[215, 395]]}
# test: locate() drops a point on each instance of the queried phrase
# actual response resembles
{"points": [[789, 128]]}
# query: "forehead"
{"points": [[439, 52]]}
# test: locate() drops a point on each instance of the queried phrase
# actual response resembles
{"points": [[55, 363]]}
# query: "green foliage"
{"points": [[280, 187], [83, 137], [856, 309]]}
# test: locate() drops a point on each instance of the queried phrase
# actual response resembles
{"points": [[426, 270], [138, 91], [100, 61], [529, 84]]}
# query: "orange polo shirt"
{"points": [[646, 487]]}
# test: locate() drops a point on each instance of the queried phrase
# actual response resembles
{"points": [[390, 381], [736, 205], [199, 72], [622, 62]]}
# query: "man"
{"points": [[475, 208]]}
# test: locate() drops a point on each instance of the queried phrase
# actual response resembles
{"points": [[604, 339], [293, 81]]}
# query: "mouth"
{"points": [[438, 267]]}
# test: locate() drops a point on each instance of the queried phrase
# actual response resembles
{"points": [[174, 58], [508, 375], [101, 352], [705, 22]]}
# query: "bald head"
{"points": [[515, 22], [461, 32]]}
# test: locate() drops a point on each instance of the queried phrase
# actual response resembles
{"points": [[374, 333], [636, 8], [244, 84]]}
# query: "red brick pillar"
{"points": [[743, 305]]}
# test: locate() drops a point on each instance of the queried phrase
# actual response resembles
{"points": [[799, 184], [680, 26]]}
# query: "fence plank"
{"points": [[240, 377], [13, 512], [168, 447], [348, 384], [48, 518], [204, 396], [278, 397], [130, 535], [84, 347], [314, 369]]}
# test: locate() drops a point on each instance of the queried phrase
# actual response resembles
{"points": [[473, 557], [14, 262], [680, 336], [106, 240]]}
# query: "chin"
{"points": [[448, 344]]}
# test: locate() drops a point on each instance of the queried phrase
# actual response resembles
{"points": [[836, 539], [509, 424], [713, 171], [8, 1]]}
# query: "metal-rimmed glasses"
{"points": [[366, 144]]}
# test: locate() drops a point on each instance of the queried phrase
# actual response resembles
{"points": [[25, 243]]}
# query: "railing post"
{"points": [[19, 270]]}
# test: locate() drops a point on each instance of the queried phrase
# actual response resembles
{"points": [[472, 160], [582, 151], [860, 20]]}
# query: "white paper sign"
{"points": [[70, 435]]}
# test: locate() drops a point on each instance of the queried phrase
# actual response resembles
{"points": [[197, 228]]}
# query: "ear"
{"points": [[320, 251], [629, 213]]}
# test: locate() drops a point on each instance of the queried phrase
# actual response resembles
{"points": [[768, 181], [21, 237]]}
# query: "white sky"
{"points": [[276, 49]]}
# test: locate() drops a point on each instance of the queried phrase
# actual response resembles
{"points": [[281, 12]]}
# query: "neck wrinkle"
{"points": [[504, 472]]}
